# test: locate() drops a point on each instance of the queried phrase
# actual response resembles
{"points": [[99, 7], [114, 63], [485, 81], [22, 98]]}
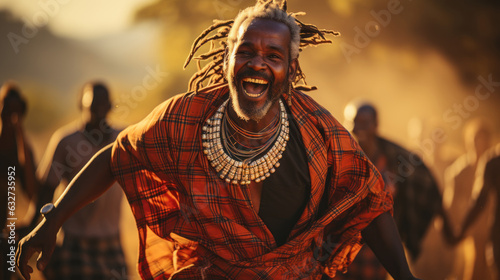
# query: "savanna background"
{"points": [[426, 65]]}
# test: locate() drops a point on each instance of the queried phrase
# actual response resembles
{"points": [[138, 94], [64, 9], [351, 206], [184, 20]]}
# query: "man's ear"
{"points": [[292, 69]]}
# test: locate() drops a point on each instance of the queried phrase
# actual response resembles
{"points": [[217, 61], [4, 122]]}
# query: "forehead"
{"points": [[12, 102], [257, 30], [364, 116], [94, 96]]}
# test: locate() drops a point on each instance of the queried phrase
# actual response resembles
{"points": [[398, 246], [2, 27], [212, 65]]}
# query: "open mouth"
{"points": [[254, 87]]}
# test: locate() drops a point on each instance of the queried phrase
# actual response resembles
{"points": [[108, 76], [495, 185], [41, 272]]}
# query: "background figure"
{"points": [[428, 138], [487, 184], [91, 248], [470, 259], [417, 199], [15, 155]]}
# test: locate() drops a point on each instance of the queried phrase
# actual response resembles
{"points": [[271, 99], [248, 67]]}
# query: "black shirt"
{"points": [[286, 192]]}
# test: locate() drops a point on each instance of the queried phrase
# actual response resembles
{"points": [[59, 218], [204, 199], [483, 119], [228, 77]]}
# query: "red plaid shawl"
{"points": [[172, 188]]}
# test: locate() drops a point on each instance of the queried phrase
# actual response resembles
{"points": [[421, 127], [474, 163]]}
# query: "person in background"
{"points": [[89, 245], [486, 186], [17, 166], [470, 255], [417, 199]]}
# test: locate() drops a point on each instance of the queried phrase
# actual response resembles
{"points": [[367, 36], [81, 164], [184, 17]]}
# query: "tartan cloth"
{"points": [[87, 259], [178, 198], [366, 266]]}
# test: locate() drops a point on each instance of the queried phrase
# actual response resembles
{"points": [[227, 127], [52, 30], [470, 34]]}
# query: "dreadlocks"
{"points": [[303, 35]]}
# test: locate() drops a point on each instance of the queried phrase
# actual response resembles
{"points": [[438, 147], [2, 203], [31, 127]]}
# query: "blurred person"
{"points": [[486, 186], [245, 176], [429, 140], [17, 167], [417, 199], [89, 245], [470, 259]]}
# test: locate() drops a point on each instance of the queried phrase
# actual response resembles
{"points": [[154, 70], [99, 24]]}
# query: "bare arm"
{"points": [[447, 229], [47, 176], [93, 180], [484, 182], [383, 238], [25, 157]]}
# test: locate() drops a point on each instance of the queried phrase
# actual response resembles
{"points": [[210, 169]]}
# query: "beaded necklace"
{"points": [[238, 150], [267, 131], [236, 165]]}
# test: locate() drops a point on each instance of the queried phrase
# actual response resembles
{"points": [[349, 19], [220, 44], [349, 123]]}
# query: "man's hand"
{"points": [[185, 253], [41, 240], [184, 256], [93, 180]]}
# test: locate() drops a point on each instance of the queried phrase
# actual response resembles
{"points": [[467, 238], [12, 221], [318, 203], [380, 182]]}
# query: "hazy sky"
{"points": [[77, 19]]}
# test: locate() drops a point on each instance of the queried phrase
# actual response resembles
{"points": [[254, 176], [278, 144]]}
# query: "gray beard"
{"points": [[248, 112]]}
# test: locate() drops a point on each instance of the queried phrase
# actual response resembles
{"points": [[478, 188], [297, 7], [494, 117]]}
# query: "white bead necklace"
{"points": [[242, 171]]}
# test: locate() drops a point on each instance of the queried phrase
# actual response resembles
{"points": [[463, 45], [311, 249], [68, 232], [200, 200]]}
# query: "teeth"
{"points": [[255, 81], [252, 94]]}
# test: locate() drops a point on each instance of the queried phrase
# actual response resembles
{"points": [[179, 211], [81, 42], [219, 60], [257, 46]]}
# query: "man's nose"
{"points": [[257, 63]]}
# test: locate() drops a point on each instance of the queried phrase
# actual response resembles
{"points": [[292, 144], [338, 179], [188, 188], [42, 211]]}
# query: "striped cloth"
{"points": [[87, 259], [172, 189]]}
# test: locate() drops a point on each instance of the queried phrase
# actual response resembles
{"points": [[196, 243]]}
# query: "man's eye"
{"points": [[247, 53]]}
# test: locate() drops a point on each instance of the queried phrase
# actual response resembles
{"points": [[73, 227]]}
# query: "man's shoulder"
{"points": [[493, 153], [389, 145], [189, 108], [67, 133], [458, 166], [193, 104], [317, 120], [308, 102], [310, 108], [491, 158]]}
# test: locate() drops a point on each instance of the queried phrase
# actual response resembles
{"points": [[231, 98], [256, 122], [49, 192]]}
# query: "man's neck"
{"points": [[253, 125], [92, 125]]}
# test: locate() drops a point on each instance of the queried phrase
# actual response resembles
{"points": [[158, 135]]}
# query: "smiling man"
{"points": [[259, 67], [245, 177]]}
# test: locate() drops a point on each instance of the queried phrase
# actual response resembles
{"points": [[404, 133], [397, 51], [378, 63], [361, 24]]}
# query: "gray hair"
{"points": [[226, 32], [268, 10]]}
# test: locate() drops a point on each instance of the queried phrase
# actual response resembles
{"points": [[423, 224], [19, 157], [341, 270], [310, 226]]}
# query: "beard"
{"points": [[249, 110]]}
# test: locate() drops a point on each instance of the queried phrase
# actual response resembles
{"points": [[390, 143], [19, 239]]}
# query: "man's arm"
{"points": [[485, 183], [93, 180], [25, 156], [47, 175], [383, 238]]}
